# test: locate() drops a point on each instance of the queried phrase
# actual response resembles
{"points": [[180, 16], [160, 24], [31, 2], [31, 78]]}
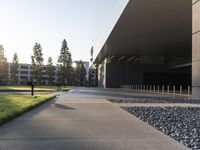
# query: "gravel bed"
{"points": [[143, 99], [180, 123]]}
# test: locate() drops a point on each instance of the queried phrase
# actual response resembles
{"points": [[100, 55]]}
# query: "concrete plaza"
{"points": [[83, 119]]}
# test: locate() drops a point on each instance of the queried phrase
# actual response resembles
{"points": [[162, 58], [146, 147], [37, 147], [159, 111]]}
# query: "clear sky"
{"points": [[48, 22]]}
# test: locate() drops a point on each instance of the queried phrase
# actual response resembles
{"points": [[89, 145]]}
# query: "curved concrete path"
{"points": [[81, 120]]}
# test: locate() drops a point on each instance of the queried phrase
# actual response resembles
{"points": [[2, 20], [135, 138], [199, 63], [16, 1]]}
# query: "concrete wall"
{"points": [[196, 49]]}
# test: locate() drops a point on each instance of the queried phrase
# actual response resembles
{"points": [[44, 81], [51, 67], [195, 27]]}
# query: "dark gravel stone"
{"points": [[180, 123], [144, 99]]}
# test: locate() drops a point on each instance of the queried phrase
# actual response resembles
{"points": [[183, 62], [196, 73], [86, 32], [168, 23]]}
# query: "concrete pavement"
{"points": [[82, 119]]}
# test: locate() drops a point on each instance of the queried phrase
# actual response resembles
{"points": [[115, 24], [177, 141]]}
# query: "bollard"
{"points": [[163, 89], [147, 88], [158, 89], [150, 89], [180, 90], [154, 89], [188, 91], [168, 89], [144, 88], [174, 90], [30, 83], [141, 88]]}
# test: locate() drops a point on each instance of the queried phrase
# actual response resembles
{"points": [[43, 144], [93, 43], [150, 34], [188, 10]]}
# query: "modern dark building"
{"points": [[151, 44]]}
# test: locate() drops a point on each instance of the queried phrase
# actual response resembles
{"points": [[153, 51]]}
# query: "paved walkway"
{"points": [[82, 120]]}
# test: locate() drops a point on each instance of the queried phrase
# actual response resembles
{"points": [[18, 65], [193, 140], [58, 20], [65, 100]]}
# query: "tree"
{"points": [[3, 67], [50, 71], [80, 74], [91, 76], [15, 64], [37, 63], [65, 65], [91, 54]]}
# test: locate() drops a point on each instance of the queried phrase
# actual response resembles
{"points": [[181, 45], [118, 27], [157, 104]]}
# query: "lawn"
{"points": [[37, 88], [12, 106]]}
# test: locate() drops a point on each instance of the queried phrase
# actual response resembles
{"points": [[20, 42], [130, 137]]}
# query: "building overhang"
{"points": [[155, 28]]}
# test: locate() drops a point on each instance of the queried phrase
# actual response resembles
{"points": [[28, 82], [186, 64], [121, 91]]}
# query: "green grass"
{"points": [[67, 88], [12, 106], [27, 88], [37, 88]]}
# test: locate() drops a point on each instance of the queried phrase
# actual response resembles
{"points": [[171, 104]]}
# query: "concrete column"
{"points": [[105, 75], [196, 49]]}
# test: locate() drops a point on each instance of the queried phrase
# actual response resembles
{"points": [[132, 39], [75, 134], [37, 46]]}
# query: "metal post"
{"points": [[144, 88], [168, 89], [32, 90], [174, 90], [158, 89], [154, 89], [163, 89], [180, 90], [150, 89], [141, 88], [188, 91]]}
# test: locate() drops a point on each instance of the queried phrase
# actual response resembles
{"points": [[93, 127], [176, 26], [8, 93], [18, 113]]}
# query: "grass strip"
{"points": [[27, 88], [12, 106], [37, 88]]}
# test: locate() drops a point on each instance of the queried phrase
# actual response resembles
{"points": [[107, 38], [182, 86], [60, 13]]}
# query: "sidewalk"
{"points": [[67, 123]]}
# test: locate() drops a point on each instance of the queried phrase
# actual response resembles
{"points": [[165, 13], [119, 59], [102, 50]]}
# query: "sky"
{"points": [[83, 23]]}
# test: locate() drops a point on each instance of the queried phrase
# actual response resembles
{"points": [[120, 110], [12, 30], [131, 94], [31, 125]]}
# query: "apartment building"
{"points": [[24, 72]]}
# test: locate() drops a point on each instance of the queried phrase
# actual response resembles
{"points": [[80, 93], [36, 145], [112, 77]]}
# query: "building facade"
{"points": [[151, 44], [86, 65], [24, 72]]}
